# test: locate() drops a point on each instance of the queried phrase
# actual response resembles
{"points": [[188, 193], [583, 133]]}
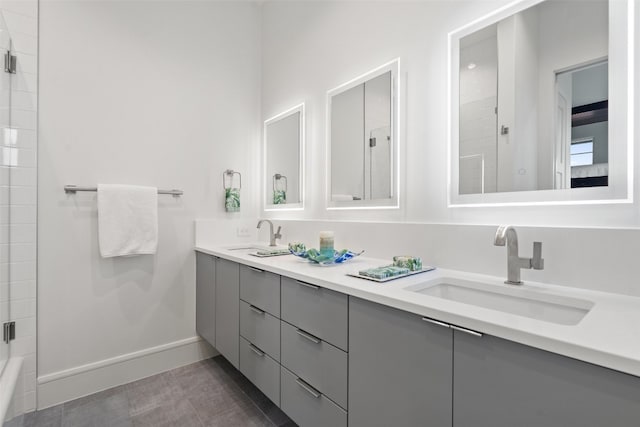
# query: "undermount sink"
{"points": [[513, 300]]}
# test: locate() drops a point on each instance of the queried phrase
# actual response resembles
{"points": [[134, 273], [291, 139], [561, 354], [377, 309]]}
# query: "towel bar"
{"points": [[75, 188]]}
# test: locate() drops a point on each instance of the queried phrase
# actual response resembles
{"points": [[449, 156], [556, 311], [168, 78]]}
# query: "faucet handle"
{"points": [[277, 235], [537, 262]]}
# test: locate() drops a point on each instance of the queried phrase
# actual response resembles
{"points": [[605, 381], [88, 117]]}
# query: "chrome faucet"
{"points": [[272, 236], [506, 234]]}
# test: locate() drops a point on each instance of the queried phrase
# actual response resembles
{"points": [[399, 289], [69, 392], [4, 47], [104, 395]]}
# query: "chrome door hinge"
{"points": [[8, 331], [10, 62]]}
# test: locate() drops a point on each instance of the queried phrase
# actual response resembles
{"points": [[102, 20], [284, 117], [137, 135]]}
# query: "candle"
{"points": [[326, 243]]}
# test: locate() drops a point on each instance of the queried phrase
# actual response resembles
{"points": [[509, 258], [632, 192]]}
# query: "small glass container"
{"points": [[326, 243]]}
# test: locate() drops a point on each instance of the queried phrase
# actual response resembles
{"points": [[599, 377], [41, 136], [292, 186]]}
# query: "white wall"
{"points": [[151, 93], [310, 47]]}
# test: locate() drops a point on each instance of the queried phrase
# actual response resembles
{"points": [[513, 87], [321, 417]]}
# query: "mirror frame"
{"points": [[393, 202], [299, 108], [621, 118]]}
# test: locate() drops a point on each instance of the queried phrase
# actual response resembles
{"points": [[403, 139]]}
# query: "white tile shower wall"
{"points": [[18, 140]]}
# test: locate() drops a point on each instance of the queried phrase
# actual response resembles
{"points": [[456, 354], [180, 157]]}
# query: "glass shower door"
{"points": [[7, 160]]}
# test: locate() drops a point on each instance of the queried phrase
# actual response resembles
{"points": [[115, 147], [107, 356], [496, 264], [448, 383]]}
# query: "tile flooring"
{"points": [[208, 393]]}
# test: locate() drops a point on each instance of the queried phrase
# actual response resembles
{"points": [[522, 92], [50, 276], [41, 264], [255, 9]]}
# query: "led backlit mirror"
{"points": [[540, 103], [284, 160]]}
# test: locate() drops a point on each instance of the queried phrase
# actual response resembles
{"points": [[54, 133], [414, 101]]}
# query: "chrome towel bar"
{"points": [[74, 188]]}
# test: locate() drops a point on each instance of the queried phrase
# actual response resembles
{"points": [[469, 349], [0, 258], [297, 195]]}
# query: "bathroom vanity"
{"points": [[332, 350]]}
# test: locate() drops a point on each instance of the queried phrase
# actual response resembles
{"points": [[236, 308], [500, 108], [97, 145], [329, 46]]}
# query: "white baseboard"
{"points": [[69, 384]]}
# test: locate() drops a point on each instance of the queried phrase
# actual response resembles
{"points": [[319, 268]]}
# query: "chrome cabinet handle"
{"points": [[256, 350], [308, 336], [437, 322], [257, 270], [466, 331], [312, 391], [308, 285], [256, 309]]}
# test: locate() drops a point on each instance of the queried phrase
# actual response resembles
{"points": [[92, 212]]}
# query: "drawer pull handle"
{"points": [[308, 336], [308, 285], [312, 391], [256, 350], [466, 331], [436, 322], [257, 270], [256, 309]]}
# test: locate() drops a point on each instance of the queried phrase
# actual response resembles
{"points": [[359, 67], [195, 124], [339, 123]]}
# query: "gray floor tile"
{"points": [[50, 417], [150, 393], [218, 403], [101, 395], [196, 378], [178, 414], [109, 408], [242, 414], [209, 393]]}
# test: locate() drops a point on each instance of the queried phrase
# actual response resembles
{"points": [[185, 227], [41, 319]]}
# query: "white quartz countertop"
{"points": [[609, 335]]}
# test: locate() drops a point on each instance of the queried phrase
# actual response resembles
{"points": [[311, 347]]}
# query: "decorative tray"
{"points": [[387, 279], [314, 255]]}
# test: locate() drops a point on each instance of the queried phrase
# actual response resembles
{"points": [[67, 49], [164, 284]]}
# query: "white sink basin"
{"points": [[513, 300]]}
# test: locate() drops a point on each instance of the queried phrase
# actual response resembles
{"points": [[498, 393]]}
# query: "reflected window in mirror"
{"points": [[531, 93], [283, 181], [363, 143]]}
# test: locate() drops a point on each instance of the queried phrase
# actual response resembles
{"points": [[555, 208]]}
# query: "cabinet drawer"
{"points": [[260, 328], [260, 369], [308, 407], [260, 288], [319, 311], [316, 362]]}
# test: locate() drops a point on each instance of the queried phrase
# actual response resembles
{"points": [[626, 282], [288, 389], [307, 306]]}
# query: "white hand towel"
{"points": [[127, 220]]}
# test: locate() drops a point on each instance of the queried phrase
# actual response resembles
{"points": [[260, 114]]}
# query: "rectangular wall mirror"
{"points": [[283, 181], [540, 104], [362, 141]]}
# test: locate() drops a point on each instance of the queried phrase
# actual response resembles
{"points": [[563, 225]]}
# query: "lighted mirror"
{"points": [[284, 160], [363, 142], [540, 103]]}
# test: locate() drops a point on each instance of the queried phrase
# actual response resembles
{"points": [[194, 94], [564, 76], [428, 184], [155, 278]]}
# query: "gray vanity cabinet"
{"points": [[206, 297], [499, 383], [400, 368], [228, 310]]}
